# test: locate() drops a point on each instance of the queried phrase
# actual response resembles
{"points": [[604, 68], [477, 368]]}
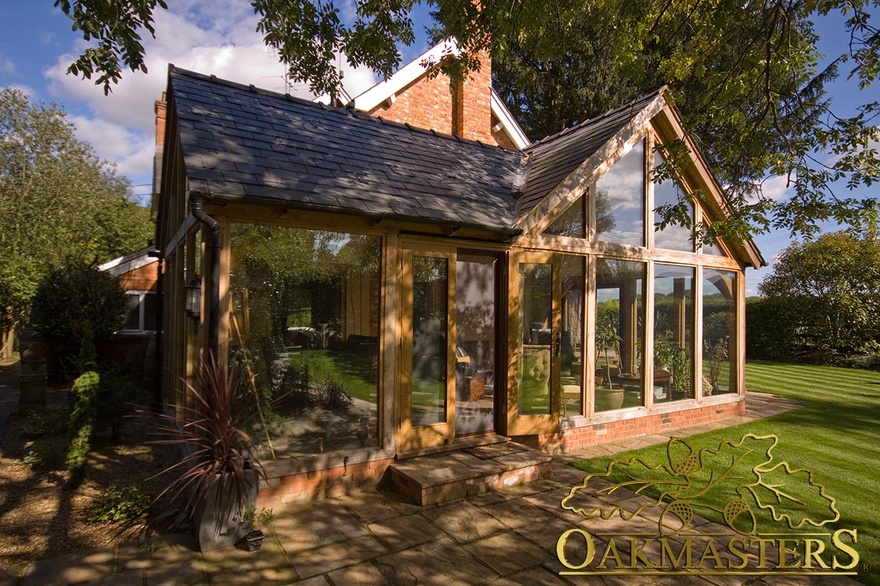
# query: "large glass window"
{"points": [[620, 309], [572, 334], [620, 200], [673, 333], [535, 357], [673, 236], [719, 323], [304, 328]]}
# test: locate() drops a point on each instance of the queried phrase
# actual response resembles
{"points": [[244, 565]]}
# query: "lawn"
{"points": [[836, 434]]}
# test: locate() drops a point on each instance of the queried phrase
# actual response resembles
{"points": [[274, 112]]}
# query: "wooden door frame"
{"points": [[412, 438], [519, 424]]}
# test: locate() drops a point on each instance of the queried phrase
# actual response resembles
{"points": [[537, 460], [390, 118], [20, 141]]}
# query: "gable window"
{"points": [[620, 200], [571, 223], [673, 236]]}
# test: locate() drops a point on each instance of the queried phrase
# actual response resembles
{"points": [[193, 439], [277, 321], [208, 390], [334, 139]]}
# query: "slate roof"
{"points": [[554, 158], [240, 143]]}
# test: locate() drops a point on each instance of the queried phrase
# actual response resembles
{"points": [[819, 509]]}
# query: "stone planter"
{"points": [[609, 399]]}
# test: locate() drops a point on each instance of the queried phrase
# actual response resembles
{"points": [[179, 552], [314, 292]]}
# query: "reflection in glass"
{"points": [[429, 324], [304, 327], [475, 343], [572, 338], [620, 200], [535, 359], [620, 309], [571, 223], [719, 319], [673, 333], [673, 236]]}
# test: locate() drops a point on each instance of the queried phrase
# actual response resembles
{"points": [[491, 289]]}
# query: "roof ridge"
{"points": [[570, 129], [342, 111]]}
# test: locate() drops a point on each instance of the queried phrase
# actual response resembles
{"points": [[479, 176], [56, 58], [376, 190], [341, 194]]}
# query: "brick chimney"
{"points": [[462, 109]]}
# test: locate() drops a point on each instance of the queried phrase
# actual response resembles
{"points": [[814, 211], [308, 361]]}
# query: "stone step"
{"points": [[439, 478]]}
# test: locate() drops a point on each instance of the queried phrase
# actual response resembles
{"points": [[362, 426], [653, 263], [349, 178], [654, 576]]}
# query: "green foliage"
{"points": [[332, 395], [78, 307], [41, 458], [57, 200], [214, 435], [257, 519], [82, 421], [827, 293], [43, 423], [118, 504]]}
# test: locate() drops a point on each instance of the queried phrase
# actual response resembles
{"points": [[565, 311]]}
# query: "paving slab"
{"points": [[442, 562], [507, 553], [464, 522], [405, 531], [337, 555]]}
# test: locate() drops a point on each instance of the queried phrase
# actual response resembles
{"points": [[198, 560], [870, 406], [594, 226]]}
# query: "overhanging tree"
{"points": [[745, 75], [58, 202]]}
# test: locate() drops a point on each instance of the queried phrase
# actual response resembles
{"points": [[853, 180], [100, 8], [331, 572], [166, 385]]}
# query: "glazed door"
{"points": [[427, 377], [535, 344]]}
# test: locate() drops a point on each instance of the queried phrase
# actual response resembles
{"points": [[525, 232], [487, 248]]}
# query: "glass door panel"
{"points": [[536, 338], [476, 333], [429, 353], [534, 396], [427, 367]]}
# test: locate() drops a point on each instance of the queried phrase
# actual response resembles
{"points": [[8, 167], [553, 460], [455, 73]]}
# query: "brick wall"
{"points": [[161, 116], [318, 484], [581, 437], [431, 103]]}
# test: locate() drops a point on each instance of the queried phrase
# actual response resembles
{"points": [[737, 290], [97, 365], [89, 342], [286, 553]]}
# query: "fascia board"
{"points": [[405, 76], [508, 122]]}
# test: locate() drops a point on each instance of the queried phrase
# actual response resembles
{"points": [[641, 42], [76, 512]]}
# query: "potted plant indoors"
{"points": [[218, 476]]}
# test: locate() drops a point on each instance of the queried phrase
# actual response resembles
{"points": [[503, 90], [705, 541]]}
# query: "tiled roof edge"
{"points": [[250, 88], [565, 131]]}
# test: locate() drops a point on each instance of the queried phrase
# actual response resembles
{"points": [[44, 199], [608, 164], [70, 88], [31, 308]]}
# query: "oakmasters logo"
{"points": [[648, 517]]}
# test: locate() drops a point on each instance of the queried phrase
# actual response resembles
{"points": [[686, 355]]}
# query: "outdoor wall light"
{"points": [[194, 298]]}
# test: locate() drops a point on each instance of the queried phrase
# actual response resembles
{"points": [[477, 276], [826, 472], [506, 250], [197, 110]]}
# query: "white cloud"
{"points": [[776, 188], [7, 67], [215, 38], [131, 149]]}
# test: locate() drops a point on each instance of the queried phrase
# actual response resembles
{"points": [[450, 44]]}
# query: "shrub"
{"points": [[40, 457], [82, 420], [42, 423], [119, 393], [114, 505], [291, 385], [70, 300], [332, 395]]}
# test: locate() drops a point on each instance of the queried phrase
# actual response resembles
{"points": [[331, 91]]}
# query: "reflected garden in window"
{"points": [[304, 328], [620, 318], [673, 333], [719, 322]]}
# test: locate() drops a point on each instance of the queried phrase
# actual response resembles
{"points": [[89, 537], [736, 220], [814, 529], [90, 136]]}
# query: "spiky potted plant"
{"points": [[218, 475]]}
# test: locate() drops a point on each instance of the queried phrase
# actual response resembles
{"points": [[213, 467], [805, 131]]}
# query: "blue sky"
{"points": [[219, 37]]}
